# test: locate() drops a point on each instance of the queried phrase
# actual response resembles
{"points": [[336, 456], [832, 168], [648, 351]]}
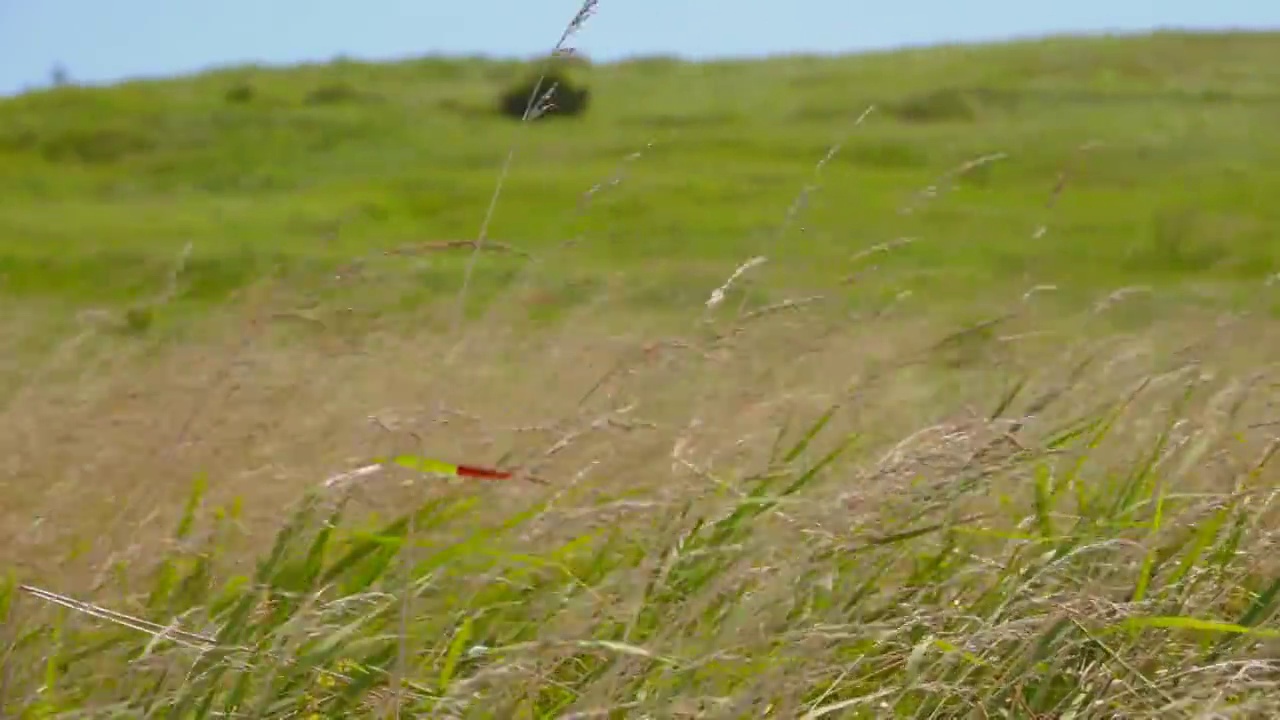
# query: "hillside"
{"points": [[991, 434], [1169, 140]]}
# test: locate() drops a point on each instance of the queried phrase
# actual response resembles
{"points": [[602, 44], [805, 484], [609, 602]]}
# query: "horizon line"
{"points": [[674, 56]]}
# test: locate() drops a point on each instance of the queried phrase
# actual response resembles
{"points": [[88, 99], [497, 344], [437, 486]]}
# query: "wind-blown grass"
{"points": [[1092, 539], [796, 505]]}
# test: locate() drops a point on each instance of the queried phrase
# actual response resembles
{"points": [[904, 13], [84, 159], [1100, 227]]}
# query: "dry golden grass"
{"points": [[915, 532], [107, 432]]}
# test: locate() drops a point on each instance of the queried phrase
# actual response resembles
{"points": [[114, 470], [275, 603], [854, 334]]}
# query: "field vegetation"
{"points": [[937, 383]]}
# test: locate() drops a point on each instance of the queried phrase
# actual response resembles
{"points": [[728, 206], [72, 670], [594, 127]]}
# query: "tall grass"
{"points": [[764, 516], [1091, 544]]}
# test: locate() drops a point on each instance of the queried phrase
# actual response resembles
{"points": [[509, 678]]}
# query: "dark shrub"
{"points": [[239, 94], [339, 93], [555, 96], [939, 106]]}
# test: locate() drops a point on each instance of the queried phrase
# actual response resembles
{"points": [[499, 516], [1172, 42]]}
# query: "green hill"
{"points": [[1168, 141]]}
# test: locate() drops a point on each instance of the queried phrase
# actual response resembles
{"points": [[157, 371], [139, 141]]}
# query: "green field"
{"points": [[989, 433], [1169, 143]]}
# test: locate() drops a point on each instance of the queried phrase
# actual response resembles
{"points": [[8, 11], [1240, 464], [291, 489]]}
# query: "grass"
{"points": [[859, 546], [942, 489], [1166, 140]]}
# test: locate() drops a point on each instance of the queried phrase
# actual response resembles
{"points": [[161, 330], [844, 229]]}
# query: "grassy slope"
{"points": [[100, 188], [774, 517]]}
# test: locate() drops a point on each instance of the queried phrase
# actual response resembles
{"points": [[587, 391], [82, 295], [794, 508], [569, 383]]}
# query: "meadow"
{"points": [[936, 383]]}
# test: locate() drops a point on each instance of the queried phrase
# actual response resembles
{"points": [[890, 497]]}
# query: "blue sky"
{"points": [[99, 41]]}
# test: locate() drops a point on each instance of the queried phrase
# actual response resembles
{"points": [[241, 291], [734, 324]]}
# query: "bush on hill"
{"points": [[938, 106], [239, 94], [550, 95]]}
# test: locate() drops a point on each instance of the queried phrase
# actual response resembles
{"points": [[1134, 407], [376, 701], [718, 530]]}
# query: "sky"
{"points": [[97, 41]]}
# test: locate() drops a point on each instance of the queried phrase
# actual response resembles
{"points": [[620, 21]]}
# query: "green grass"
{"points": [[962, 502], [99, 188]]}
